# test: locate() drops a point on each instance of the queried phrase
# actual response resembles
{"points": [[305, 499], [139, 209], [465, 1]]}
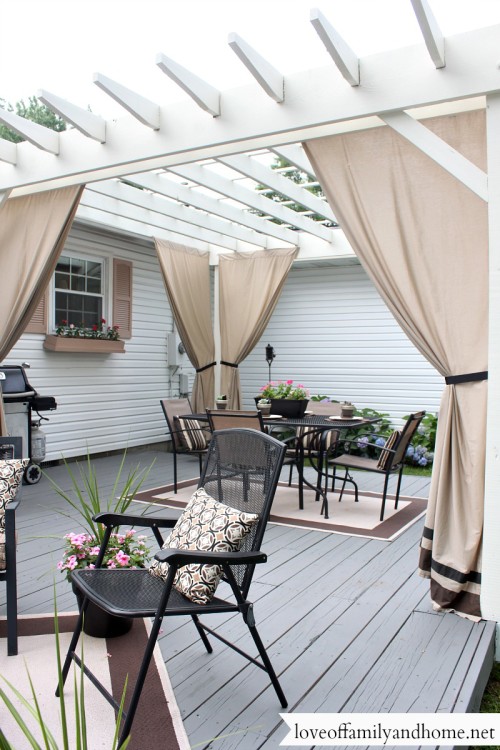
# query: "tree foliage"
{"points": [[34, 111]]}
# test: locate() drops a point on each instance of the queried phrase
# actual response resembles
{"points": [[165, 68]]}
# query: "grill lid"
{"points": [[14, 382]]}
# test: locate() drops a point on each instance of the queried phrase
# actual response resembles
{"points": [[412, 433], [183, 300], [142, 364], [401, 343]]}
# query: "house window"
{"points": [[79, 291]]}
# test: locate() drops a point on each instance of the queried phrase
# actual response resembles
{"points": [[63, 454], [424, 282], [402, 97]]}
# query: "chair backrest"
{"points": [[226, 419], [325, 408], [407, 434], [172, 408], [241, 470]]}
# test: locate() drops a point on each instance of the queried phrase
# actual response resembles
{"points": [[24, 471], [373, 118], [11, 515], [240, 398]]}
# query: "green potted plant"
{"points": [[126, 550], [287, 399], [221, 402], [264, 406]]}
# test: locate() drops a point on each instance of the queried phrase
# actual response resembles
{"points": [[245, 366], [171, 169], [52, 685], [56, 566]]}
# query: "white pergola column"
{"points": [[490, 590], [216, 334]]}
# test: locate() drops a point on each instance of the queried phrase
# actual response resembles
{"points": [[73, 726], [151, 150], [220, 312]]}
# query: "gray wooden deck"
{"points": [[347, 621]]}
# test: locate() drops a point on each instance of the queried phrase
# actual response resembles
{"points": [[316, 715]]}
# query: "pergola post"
{"points": [[490, 590]]}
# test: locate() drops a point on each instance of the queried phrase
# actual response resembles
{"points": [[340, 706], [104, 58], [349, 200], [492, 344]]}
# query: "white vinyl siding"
{"points": [[332, 332], [108, 402]]}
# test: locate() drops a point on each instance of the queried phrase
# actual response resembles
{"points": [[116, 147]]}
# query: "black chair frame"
{"points": [[176, 434], [112, 590], [11, 447]]}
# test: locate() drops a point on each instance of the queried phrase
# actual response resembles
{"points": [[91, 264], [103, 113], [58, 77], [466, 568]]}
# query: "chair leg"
{"points": [[141, 677], [11, 612], [266, 661], [290, 475], [72, 646], [175, 471], [386, 484], [11, 563], [202, 634], [400, 477]]}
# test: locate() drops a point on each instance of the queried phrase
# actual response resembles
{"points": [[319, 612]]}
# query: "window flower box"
{"points": [[79, 344]]}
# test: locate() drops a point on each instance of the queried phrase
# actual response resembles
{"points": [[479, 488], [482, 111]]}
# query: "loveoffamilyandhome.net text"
{"points": [[377, 730]]}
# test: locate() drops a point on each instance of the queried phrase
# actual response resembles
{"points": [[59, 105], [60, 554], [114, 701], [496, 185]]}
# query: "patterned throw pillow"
{"points": [[11, 473], [385, 455], [191, 434], [210, 526]]}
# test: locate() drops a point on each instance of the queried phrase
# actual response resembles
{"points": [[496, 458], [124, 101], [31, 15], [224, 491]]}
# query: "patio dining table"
{"points": [[311, 424]]}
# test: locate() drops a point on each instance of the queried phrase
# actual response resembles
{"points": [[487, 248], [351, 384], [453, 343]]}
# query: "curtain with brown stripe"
{"points": [[422, 236]]}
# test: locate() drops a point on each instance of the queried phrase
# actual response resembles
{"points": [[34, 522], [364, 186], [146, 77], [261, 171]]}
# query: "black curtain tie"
{"points": [[469, 377]]}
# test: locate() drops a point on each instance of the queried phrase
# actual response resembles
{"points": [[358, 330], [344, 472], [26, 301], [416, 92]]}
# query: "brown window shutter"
{"points": [[122, 297], [38, 322]]}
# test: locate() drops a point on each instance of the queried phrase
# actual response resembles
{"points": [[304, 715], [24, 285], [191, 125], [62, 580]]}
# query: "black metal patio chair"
{"points": [[389, 459], [12, 467], [138, 593], [188, 435]]}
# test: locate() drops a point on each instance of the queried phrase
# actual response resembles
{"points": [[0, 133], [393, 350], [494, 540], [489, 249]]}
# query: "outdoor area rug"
{"points": [[111, 659], [346, 517]]}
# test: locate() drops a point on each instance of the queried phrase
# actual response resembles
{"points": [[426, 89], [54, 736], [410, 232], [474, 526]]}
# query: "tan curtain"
{"points": [[422, 237], [250, 285], [186, 273], [33, 230]]}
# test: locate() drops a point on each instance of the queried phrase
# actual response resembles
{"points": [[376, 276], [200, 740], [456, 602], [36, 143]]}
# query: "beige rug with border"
{"points": [[346, 517], [157, 722]]}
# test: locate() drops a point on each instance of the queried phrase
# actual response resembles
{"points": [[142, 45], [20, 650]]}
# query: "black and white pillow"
{"points": [[209, 526], [11, 474]]}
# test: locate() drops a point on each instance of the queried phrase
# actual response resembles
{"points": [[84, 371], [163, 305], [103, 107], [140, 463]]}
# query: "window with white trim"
{"points": [[79, 291]]}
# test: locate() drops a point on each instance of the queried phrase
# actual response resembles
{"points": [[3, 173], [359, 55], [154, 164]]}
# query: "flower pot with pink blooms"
{"points": [[287, 399], [125, 550]]}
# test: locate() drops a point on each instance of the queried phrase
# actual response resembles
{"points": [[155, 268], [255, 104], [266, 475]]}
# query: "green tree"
{"points": [[34, 111]]}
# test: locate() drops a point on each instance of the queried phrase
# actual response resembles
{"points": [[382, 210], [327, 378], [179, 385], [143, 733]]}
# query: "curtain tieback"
{"points": [[467, 378], [228, 364], [206, 367]]}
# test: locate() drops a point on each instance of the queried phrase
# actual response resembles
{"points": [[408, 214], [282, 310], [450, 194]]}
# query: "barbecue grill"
{"points": [[20, 401]]}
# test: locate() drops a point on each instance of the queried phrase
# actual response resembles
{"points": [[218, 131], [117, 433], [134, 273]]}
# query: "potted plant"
{"points": [[286, 399], [126, 550], [264, 406], [221, 402]]}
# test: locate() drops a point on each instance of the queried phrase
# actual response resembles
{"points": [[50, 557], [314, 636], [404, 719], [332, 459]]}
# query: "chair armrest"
{"points": [[121, 519], [12, 507], [187, 556]]}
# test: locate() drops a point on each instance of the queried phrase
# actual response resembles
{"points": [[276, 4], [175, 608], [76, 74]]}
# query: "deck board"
{"points": [[347, 620]]}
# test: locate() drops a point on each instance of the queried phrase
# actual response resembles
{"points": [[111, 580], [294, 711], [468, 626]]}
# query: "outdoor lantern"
{"points": [[270, 355]]}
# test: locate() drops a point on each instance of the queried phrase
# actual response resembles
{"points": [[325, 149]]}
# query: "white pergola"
{"points": [[197, 163]]}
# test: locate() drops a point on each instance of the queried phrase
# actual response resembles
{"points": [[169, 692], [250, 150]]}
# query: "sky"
{"points": [[58, 45]]}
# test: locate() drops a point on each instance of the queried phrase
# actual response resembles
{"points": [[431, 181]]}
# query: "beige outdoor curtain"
{"points": [[250, 285], [186, 274], [33, 230], [422, 237]]}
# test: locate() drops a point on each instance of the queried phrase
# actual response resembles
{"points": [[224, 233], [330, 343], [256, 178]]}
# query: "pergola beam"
{"points": [[258, 172], [37, 135], [139, 107], [230, 188], [152, 217], [259, 228], [86, 122], [271, 80], [392, 81], [433, 38], [440, 151], [296, 155], [8, 151], [205, 95], [340, 52]]}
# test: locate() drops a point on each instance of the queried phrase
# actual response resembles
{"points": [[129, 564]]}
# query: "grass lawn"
{"points": [[491, 700]]}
